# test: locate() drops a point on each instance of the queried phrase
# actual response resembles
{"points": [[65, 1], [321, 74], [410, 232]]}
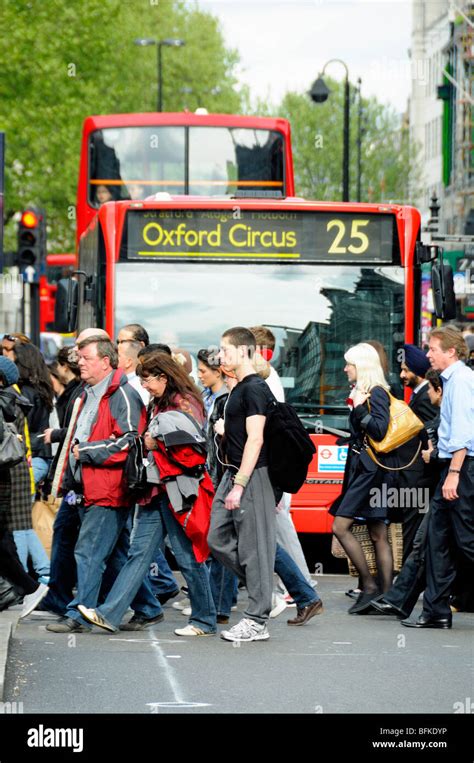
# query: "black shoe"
{"points": [[362, 604], [67, 625], [9, 599], [139, 623], [164, 597], [429, 622], [383, 607]]}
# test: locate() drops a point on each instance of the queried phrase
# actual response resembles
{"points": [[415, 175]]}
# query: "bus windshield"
{"points": [[136, 162], [315, 311]]}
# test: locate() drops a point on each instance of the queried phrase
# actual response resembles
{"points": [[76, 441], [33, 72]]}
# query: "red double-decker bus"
{"points": [[57, 266], [240, 249]]}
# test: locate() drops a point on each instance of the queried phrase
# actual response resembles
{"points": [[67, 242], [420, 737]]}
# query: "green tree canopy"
{"points": [[64, 60], [390, 168]]}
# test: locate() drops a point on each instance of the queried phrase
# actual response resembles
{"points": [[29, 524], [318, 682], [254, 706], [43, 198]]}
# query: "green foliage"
{"points": [[66, 59], [390, 169]]}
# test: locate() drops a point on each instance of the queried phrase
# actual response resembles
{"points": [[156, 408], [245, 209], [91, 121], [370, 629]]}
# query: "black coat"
{"points": [[64, 405], [415, 476], [362, 474], [38, 421]]}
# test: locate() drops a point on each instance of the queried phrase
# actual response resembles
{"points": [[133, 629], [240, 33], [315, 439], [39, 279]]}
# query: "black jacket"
{"points": [[423, 408], [64, 405], [38, 421]]}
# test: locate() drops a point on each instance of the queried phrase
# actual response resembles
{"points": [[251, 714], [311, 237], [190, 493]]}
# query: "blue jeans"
{"points": [[40, 468], [161, 578], [63, 574], [295, 582], [101, 530], [28, 544], [152, 523], [224, 587]]}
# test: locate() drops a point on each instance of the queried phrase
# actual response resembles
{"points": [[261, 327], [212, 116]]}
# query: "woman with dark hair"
{"points": [[177, 503], [35, 385], [15, 502]]}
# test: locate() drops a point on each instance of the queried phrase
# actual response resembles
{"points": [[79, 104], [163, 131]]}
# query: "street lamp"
{"points": [[319, 93], [169, 43]]}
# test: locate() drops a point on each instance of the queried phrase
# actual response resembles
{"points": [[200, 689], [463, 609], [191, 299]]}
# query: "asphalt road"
{"points": [[335, 664]]}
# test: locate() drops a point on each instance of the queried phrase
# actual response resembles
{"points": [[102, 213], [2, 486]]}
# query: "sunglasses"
{"points": [[10, 338]]}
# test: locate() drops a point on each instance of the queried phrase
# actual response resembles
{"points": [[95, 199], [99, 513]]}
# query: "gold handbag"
{"points": [[402, 427]]}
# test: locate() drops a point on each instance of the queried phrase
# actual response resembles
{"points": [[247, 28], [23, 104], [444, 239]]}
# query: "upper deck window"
{"points": [[136, 162]]}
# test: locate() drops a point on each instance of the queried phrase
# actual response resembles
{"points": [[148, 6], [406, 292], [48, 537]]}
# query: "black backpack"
{"points": [[290, 449]]}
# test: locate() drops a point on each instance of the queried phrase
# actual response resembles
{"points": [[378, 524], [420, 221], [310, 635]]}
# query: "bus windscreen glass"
{"points": [[315, 311]]}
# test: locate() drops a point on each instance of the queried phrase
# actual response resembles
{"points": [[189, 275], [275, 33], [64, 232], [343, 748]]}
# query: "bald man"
{"points": [[128, 362]]}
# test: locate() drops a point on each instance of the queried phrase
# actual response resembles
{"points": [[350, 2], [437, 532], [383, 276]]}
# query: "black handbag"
{"points": [[135, 466]]}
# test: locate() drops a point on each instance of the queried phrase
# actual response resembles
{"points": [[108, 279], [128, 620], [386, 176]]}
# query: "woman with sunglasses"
{"points": [[172, 392]]}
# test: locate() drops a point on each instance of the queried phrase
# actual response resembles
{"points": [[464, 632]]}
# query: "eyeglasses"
{"points": [[146, 379]]}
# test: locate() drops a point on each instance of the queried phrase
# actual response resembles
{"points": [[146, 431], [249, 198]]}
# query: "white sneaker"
{"points": [[192, 630], [186, 611], [279, 605], [246, 630], [181, 604], [31, 600]]}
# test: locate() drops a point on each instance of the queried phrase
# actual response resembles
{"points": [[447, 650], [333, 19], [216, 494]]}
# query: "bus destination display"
{"points": [[278, 235]]}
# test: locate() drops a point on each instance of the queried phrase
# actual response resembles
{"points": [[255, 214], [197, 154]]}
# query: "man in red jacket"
{"points": [[106, 418]]}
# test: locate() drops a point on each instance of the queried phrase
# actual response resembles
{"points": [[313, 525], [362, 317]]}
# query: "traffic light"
{"points": [[32, 240]]}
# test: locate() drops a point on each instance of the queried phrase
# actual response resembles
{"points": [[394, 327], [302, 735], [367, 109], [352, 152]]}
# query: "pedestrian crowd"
{"points": [[144, 464]]}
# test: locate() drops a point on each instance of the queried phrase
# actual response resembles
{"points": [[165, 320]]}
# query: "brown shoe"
{"points": [[305, 614]]}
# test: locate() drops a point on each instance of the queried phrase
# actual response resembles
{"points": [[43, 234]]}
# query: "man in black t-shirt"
{"points": [[242, 535]]}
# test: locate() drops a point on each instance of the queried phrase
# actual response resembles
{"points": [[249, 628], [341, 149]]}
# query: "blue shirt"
{"points": [[456, 429]]}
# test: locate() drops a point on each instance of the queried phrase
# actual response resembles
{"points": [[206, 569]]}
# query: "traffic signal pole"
{"points": [[31, 258]]}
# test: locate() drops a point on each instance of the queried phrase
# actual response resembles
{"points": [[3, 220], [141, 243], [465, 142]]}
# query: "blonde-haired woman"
{"points": [[362, 494]]}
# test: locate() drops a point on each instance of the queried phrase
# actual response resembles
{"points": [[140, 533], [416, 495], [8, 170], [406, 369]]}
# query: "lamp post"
{"points": [[319, 93], [169, 43], [359, 142]]}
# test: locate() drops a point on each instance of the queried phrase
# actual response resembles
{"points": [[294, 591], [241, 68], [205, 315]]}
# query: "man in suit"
{"points": [[413, 369]]}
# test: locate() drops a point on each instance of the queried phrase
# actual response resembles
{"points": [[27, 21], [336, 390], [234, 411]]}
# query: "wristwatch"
{"points": [[454, 471]]}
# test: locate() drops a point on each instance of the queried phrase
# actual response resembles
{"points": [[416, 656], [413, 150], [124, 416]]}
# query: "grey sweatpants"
{"points": [[244, 540]]}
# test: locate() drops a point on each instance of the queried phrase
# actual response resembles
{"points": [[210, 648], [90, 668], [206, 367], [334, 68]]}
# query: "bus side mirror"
{"points": [[442, 283], [65, 311]]}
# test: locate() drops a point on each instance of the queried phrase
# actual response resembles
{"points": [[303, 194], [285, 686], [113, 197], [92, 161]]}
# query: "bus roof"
{"points": [[100, 122]]}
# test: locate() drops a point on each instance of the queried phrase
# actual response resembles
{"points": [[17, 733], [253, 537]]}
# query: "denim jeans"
{"points": [[28, 544], [63, 572], [224, 587], [100, 533], [152, 523], [40, 468], [161, 578], [298, 588]]}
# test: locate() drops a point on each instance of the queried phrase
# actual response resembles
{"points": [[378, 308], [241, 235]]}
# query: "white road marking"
{"points": [[149, 641]]}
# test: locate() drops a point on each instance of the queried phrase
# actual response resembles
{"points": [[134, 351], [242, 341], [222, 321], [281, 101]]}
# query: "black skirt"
{"points": [[366, 490]]}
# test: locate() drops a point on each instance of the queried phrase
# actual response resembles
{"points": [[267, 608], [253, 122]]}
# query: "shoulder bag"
{"points": [[403, 426]]}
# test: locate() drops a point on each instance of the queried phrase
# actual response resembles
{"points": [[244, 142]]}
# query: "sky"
{"points": [[284, 44]]}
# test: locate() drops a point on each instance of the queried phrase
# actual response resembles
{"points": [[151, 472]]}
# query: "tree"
{"points": [[64, 61], [390, 166]]}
